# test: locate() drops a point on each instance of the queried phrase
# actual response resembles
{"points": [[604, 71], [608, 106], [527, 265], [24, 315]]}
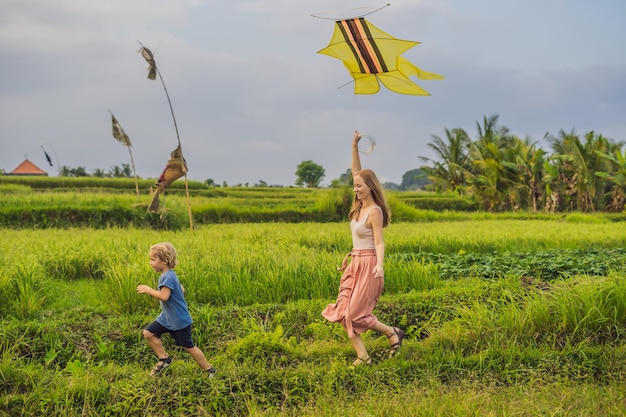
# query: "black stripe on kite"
{"points": [[379, 56], [351, 45]]}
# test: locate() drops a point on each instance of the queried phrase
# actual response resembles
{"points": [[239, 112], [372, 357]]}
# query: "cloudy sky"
{"points": [[253, 98]]}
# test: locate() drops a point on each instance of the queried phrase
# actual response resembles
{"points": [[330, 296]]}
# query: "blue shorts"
{"points": [[182, 337]]}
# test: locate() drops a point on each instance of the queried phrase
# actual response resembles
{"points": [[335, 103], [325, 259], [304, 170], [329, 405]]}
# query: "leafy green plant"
{"points": [[545, 265]]}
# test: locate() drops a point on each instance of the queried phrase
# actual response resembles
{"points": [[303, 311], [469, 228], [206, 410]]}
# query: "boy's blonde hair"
{"points": [[165, 252]]}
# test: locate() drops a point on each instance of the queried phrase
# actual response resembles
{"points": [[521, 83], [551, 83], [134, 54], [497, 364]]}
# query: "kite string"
{"points": [[317, 15], [357, 116]]}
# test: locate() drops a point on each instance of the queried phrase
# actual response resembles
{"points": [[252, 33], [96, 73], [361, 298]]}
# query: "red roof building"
{"points": [[28, 168]]}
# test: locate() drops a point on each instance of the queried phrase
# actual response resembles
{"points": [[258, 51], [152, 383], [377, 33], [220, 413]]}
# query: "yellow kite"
{"points": [[372, 55]]}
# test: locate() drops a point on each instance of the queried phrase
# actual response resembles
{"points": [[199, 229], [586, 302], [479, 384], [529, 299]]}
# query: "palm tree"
{"points": [[618, 177], [504, 171], [79, 172], [551, 185], [65, 171], [493, 174], [529, 162], [448, 172], [126, 171], [99, 173], [578, 162], [490, 132], [489, 177], [116, 172]]}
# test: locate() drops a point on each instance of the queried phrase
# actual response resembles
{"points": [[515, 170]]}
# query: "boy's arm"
{"points": [[163, 294]]}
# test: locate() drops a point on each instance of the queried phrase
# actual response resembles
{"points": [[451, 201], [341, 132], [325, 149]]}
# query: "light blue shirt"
{"points": [[174, 313]]}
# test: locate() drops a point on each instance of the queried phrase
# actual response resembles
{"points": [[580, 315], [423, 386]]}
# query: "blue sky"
{"points": [[253, 99]]}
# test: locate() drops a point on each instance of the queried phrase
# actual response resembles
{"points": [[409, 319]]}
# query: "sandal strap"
{"points": [[360, 361], [396, 346], [161, 364]]}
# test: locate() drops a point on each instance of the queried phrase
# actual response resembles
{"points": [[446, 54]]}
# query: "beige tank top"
{"points": [[363, 236]]}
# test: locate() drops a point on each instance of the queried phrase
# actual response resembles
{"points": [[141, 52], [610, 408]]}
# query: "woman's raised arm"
{"points": [[356, 160]]}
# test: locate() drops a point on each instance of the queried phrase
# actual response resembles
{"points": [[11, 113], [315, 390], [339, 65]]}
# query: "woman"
{"points": [[363, 280]]}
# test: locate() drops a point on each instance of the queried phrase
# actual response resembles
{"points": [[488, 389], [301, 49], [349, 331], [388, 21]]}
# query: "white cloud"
{"points": [[253, 99]]}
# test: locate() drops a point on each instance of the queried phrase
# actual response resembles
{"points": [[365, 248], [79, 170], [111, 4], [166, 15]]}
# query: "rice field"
{"points": [[504, 343]]}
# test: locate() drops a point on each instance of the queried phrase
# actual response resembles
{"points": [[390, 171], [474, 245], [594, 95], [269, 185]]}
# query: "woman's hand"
{"points": [[378, 272], [356, 138]]}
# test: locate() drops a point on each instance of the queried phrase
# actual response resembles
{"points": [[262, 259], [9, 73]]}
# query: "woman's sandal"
{"points": [[161, 365], [362, 361], [396, 346]]}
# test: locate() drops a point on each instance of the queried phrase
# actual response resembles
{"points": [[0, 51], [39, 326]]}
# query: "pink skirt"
{"points": [[359, 292]]}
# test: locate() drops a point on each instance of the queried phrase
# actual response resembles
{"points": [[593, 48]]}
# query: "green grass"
{"points": [[503, 344], [65, 202]]}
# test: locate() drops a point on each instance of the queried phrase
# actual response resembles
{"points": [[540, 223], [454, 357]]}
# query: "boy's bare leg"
{"points": [[155, 344], [199, 357]]}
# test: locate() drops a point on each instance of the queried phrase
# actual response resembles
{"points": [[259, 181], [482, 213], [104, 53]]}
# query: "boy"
{"points": [[174, 318]]}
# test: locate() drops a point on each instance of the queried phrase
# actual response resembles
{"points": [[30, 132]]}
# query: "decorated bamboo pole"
{"points": [[122, 137], [153, 71]]}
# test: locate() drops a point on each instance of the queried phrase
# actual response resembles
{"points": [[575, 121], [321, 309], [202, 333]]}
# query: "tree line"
{"points": [[308, 174], [311, 174], [505, 172], [114, 172]]}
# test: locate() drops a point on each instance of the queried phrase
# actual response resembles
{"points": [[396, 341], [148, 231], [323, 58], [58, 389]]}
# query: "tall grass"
{"points": [[499, 346], [590, 309], [570, 313], [272, 263], [25, 294], [502, 235], [121, 281]]}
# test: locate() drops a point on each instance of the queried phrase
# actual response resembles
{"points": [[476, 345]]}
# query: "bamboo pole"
{"points": [[156, 68]]}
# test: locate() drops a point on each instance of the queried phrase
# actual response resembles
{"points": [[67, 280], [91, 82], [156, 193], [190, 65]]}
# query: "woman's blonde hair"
{"points": [[166, 253], [369, 178]]}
